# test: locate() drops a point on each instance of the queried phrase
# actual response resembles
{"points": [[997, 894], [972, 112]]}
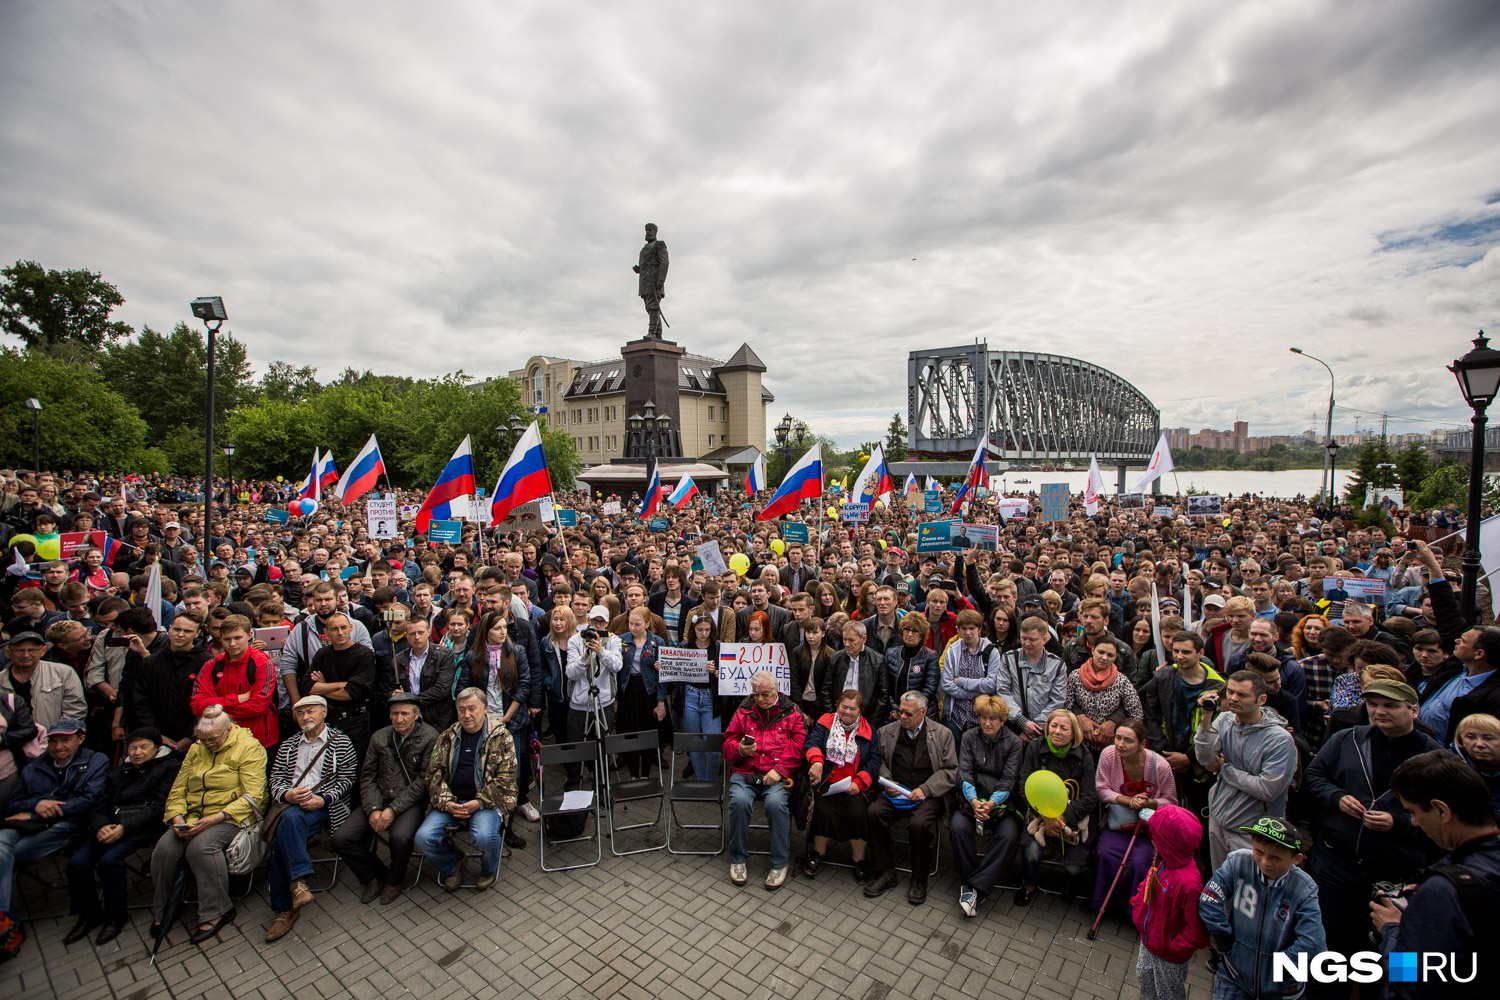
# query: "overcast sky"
{"points": [[1174, 191]]}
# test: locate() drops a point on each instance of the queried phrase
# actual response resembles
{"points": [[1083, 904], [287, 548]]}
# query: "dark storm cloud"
{"points": [[1174, 191]]}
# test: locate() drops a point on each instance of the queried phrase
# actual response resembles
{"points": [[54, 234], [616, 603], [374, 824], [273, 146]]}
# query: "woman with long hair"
{"points": [[808, 661], [825, 601], [861, 600], [700, 707], [1003, 628]]}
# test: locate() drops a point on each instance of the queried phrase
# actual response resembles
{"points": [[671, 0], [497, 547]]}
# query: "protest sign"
{"points": [[675, 665], [610, 507], [380, 516], [409, 511], [738, 662], [567, 518], [794, 531], [451, 532], [934, 536], [1163, 510], [545, 510], [280, 517], [523, 518], [660, 524], [1011, 509], [855, 512], [712, 558], [1359, 589], [982, 536], [1205, 506], [1132, 501], [72, 543], [932, 501], [1054, 501]]}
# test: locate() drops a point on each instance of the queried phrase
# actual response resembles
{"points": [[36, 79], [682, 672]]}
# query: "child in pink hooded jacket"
{"points": [[1165, 907]]}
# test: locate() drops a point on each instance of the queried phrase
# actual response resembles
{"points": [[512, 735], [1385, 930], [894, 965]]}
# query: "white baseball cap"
{"points": [[598, 611]]}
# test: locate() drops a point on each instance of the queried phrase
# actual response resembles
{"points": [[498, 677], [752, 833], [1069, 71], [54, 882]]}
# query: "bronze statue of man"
{"points": [[653, 282]]}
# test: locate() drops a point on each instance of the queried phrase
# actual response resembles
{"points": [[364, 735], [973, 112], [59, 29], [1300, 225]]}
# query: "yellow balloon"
{"points": [[833, 513], [879, 504], [50, 548], [280, 480], [1046, 793], [24, 538], [740, 563], [778, 546]]}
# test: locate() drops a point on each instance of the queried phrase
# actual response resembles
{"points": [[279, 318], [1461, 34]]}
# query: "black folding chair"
{"points": [[694, 790], [556, 755], [635, 789]]}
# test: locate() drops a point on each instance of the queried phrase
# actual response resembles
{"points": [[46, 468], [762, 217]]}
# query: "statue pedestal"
{"points": [[651, 374]]}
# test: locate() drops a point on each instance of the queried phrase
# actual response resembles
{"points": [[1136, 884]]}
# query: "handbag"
{"points": [[246, 850], [1122, 818], [276, 810]]}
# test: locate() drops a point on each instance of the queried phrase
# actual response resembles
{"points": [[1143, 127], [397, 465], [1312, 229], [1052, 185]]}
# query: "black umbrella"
{"points": [[169, 912]]}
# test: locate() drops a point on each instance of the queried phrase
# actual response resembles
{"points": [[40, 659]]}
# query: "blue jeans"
{"points": [[16, 849], [744, 789], [289, 852], [484, 832], [698, 717]]}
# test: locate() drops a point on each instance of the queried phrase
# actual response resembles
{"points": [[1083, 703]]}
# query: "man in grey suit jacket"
{"points": [[922, 759]]}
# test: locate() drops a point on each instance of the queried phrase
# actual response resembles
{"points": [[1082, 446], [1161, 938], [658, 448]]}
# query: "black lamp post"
{"points": [[1478, 374], [210, 309], [35, 406], [1332, 448], [650, 428], [229, 454], [789, 437]]}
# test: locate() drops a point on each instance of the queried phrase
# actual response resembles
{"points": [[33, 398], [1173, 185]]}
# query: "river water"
{"points": [[1225, 482]]}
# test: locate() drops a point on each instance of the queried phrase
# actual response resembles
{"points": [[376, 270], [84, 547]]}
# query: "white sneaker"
{"points": [[968, 900], [738, 875], [776, 878], [529, 811]]}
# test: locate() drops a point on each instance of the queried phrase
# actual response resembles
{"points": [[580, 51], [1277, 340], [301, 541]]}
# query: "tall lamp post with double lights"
{"points": [[210, 309], [1328, 442], [35, 406], [789, 436], [651, 428], [1478, 374], [229, 455]]}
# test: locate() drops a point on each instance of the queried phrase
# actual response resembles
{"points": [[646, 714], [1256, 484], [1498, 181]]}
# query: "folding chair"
{"points": [[458, 837], [416, 875], [329, 858], [694, 790], [558, 754], [635, 789]]}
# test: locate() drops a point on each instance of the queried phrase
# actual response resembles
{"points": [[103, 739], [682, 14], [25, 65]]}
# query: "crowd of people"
{"points": [[1174, 719]]}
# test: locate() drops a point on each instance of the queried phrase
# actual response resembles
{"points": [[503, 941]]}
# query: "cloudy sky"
{"points": [[1176, 191]]}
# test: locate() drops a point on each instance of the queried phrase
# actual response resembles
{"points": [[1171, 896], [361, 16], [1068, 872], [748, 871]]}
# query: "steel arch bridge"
{"points": [[1040, 406]]}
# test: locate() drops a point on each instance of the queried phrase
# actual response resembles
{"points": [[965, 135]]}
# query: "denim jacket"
{"points": [[645, 658]]}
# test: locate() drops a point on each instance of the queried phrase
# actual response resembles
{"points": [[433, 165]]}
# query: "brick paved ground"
{"points": [[651, 925]]}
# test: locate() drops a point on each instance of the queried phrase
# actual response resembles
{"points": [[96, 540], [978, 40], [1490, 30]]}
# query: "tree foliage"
{"points": [[895, 439], [165, 375], [85, 423], [284, 384], [1369, 474], [1412, 468], [62, 313]]}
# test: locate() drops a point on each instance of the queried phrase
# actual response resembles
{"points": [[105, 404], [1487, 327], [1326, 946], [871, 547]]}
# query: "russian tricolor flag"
{"points": [[932, 484], [911, 484], [362, 473], [755, 480], [977, 477], [684, 492], [875, 479], [803, 482], [110, 547], [652, 496], [453, 490], [309, 485], [524, 478], [328, 473]]}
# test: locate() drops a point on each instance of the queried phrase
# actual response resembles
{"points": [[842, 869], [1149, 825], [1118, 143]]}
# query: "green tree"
{"points": [[64, 313], [895, 439], [1368, 472], [1448, 486], [164, 375], [85, 423], [283, 383], [1412, 468]]}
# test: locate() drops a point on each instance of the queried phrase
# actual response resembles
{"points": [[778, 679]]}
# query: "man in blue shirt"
{"points": [[1479, 651]]}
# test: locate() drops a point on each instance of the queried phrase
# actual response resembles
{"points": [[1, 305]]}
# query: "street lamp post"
{"points": [[650, 428], [1332, 451], [210, 309], [1478, 374], [1327, 430], [35, 406], [789, 437], [229, 454]]}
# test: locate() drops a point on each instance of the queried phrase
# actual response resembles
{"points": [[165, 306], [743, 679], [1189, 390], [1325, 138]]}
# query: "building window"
{"points": [[710, 413], [710, 440], [538, 387]]}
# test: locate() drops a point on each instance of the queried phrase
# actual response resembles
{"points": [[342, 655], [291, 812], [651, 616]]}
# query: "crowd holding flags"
{"points": [[684, 492], [308, 488], [976, 476], [803, 482], [454, 490], [360, 477], [524, 478], [1094, 488], [874, 480]]}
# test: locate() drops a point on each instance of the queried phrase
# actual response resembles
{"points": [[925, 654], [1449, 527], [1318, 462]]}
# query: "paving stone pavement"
{"points": [[650, 925]]}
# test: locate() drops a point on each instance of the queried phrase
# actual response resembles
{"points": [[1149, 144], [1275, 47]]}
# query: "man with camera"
{"points": [[1451, 906], [1248, 747], [1363, 835]]}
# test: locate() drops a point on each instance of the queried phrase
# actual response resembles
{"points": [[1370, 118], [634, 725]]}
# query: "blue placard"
{"points": [[451, 532], [479, 492], [934, 536], [932, 501], [567, 518], [281, 517], [1054, 501], [795, 531], [660, 524]]}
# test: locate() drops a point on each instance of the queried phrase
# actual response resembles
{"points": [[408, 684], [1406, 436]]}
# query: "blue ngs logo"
{"points": [[1366, 967]]}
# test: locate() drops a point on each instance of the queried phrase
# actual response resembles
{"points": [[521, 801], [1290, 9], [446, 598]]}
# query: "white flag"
{"points": [[1161, 651], [1161, 462], [1489, 556], [153, 592], [1094, 488]]}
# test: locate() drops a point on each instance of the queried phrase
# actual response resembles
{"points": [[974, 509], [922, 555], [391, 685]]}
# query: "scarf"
{"points": [[1092, 678], [841, 747], [1057, 751]]}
